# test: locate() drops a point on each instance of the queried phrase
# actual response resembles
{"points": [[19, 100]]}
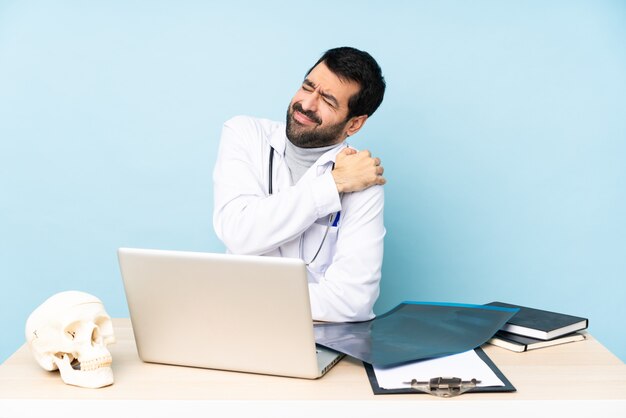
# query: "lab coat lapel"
{"points": [[325, 162]]}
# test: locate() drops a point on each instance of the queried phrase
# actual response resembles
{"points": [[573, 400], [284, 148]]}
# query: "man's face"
{"points": [[317, 114]]}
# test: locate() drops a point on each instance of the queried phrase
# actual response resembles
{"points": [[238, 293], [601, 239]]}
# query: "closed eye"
{"points": [[329, 99], [307, 85]]}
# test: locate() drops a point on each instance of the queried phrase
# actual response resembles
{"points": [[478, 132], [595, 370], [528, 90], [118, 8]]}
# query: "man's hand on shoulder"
{"points": [[355, 171]]}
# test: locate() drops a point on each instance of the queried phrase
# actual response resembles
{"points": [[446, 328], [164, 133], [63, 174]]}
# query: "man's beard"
{"points": [[312, 137]]}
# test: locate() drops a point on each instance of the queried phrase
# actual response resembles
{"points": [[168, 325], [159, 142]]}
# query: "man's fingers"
{"points": [[357, 170], [344, 153]]}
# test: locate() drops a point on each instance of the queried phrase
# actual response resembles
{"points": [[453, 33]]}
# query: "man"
{"points": [[298, 189]]}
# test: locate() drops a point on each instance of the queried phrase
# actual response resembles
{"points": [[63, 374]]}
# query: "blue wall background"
{"points": [[503, 135]]}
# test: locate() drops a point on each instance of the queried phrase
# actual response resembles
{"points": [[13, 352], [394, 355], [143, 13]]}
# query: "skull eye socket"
{"points": [[104, 329], [95, 336]]}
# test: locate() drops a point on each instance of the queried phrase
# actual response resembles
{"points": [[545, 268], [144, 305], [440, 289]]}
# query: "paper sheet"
{"points": [[467, 365]]}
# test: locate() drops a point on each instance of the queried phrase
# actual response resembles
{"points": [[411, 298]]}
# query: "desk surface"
{"points": [[583, 370]]}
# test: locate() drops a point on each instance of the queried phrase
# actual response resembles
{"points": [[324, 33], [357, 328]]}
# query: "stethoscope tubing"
{"points": [[301, 245]]}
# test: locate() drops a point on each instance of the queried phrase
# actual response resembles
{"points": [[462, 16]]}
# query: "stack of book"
{"points": [[531, 328]]}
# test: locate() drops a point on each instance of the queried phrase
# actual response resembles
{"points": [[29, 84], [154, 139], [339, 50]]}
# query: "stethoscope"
{"points": [[333, 218]]}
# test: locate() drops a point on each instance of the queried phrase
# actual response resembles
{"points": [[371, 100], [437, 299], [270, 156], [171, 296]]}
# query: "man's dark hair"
{"points": [[359, 66]]}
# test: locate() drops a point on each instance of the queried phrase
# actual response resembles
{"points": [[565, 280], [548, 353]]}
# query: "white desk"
{"points": [[575, 379]]}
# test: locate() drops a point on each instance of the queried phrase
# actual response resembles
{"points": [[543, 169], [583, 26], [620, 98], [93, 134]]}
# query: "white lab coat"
{"points": [[344, 278]]}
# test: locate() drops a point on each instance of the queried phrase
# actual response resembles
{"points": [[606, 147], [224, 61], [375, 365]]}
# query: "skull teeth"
{"points": [[96, 363]]}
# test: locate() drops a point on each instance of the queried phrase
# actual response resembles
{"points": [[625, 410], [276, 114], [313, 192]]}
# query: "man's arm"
{"points": [[349, 287], [245, 218]]}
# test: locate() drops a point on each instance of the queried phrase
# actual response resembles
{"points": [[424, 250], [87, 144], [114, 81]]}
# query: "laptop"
{"points": [[223, 311]]}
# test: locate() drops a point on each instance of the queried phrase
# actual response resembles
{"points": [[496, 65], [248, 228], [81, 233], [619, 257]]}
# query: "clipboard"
{"points": [[508, 386]]}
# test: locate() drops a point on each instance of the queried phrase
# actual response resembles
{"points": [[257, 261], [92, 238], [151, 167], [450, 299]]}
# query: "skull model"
{"points": [[70, 331]]}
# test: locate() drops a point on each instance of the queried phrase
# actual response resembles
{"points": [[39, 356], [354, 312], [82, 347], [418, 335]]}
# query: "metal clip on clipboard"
{"points": [[445, 387]]}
